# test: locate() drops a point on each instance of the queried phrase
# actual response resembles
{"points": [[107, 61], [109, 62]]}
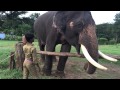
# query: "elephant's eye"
{"points": [[78, 25]]}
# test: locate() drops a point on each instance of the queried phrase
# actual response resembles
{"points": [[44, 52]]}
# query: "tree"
{"points": [[34, 16], [22, 29], [105, 30], [14, 14], [117, 27], [10, 20], [30, 20], [2, 18]]}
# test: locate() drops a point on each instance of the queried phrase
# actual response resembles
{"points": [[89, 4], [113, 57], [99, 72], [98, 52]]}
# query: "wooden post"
{"points": [[19, 55], [12, 61]]}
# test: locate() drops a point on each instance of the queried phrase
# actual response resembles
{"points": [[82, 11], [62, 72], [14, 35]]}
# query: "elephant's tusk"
{"points": [[107, 57], [89, 58]]}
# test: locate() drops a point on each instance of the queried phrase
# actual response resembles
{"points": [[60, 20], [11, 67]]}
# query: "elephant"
{"points": [[68, 28]]}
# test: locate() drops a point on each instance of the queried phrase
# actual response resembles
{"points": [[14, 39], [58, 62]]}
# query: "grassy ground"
{"points": [[74, 66]]}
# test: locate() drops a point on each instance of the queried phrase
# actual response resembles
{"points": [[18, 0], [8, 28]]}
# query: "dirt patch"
{"points": [[74, 70]]}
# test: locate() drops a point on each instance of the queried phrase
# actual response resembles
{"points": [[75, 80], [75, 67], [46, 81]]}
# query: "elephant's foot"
{"points": [[89, 69], [86, 66], [60, 74], [46, 72]]}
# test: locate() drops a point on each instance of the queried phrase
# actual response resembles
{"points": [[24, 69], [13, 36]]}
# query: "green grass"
{"points": [[8, 46], [110, 49], [10, 74]]}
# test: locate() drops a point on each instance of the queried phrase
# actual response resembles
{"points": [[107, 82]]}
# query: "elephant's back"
{"points": [[44, 18], [43, 24]]}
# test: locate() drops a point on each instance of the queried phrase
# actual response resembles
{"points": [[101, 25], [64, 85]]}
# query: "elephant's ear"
{"points": [[59, 20]]}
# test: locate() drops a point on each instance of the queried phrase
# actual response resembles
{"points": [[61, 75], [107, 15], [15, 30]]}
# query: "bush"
{"points": [[112, 42], [19, 38], [23, 28], [8, 37], [102, 41], [13, 38]]}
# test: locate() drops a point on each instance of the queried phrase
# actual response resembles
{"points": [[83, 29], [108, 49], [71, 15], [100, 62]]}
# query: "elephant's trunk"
{"points": [[88, 40]]}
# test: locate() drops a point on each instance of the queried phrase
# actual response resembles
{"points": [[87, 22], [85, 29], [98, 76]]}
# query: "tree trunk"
{"points": [[19, 55], [12, 64]]}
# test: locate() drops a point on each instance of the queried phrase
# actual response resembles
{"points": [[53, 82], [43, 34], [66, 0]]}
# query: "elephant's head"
{"points": [[79, 29]]}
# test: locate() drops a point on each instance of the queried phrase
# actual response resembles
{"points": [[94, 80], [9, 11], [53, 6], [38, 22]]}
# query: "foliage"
{"points": [[13, 38], [105, 31], [112, 42], [11, 22], [117, 27], [22, 29], [110, 31], [103, 41], [34, 16]]}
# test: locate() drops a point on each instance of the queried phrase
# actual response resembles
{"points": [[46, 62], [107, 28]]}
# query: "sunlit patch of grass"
{"points": [[110, 49]]}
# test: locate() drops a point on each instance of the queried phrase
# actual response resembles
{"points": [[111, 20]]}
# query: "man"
{"points": [[30, 57]]}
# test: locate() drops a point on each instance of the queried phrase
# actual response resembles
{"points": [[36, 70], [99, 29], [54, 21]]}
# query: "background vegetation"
{"points": [[14, 24]]}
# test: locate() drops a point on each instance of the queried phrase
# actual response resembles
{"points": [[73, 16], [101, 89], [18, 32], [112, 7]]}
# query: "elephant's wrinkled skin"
{"points": [[69, 28]]}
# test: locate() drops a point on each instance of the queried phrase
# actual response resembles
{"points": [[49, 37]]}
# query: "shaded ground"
{"points": [[74, 70]]}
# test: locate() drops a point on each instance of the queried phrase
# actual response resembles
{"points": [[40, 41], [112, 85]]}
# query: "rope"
{"points": [[8, 57]]}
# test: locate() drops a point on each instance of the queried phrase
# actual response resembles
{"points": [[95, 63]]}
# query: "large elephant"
{"points": [[69, 28]]}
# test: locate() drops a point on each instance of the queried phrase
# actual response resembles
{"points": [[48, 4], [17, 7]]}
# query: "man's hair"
{"points": [[29, 37]]}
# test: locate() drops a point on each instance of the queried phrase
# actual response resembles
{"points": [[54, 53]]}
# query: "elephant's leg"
{"points": [[62, 60], [42, 48], [54, 58], [48, 63], [50, 46]]}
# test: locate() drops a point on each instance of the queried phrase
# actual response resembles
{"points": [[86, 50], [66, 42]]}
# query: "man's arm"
{"points": [[34, 55], [35, 60]]}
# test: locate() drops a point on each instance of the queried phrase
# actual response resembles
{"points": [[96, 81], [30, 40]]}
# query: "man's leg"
{"points": [[25, 71], [33, 71]]}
